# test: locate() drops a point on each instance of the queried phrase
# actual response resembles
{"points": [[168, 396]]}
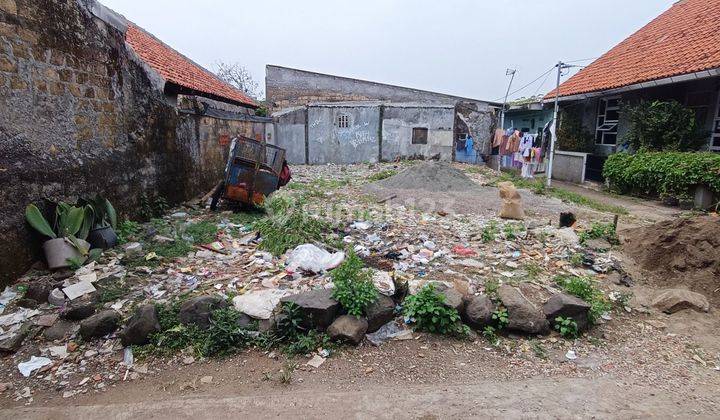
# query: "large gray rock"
{"points": [[198, 310], [453, 298], [673, 300], [14, 342], [567, 306], [478, 311], [523, 316], [100, 324], [348, 328], [39, 291], [139, 328], [379, 313], [60, 330], [317, 306], [77, 311]]}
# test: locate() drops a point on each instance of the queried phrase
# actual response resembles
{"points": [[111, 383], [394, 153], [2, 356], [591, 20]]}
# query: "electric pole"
{"points": [[553, 128], [508, 72]]}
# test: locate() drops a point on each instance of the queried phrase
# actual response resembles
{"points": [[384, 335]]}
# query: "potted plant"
{"points": [[103, 222], [67, 245]]}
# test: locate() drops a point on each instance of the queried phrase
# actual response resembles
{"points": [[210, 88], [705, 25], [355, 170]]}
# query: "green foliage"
{"points": [[571, 135], [489, 232], [428, 310], [385, 174], [175, 249], [539, 350], [491, 288], [307, 343], [500, 316], [511, 230], [577, 259], [152, 206], [202, 232], [37, 221], [599, 230], [662, 125], [287, 225], [354, 288], [262, 111], [101, 211], [533, 270], [128, 229], [662, 173], [584, 288], [491, 335], [567, 327], [289, 332], [69, 220]]}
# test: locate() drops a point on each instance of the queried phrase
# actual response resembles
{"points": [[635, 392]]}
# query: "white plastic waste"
{"points": [[384, 283], [361, 225], [309, 257], [35, 363], [6, 297], [17, 317], [76, 290], [259, 304]]}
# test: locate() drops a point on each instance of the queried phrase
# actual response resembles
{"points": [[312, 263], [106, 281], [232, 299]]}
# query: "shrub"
{"points": [[567, 327], [287, 226], [662, 173], [600, 230], [662, 125], [427, 309], [354, 288]]}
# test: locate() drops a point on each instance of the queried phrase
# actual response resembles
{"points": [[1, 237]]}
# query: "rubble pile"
{"points": [[75, 330]]}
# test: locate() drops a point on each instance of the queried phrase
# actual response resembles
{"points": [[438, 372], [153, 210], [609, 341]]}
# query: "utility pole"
{"points": [[508, 72], [553, 132]]}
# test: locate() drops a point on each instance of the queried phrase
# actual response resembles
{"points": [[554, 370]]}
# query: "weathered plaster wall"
{"points": [[477, 121], [289, 129], [79, 115], [398, 123], [329, 143]]}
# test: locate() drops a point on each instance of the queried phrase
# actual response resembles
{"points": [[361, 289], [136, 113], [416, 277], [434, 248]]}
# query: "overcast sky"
{"points": [[460, 47]]}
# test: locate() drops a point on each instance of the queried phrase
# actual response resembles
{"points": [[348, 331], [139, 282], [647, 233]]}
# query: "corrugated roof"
{"points": [[180, 70], [683, 40]]}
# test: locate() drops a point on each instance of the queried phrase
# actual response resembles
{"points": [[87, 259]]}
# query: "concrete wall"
{"points": [[329, 143], [289, 133], [397, 127], [569, 166], [79, 114]]}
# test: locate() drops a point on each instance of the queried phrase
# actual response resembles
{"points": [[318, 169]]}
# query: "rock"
{"points": [[567, 236], [317, 306], [478, 311], [14, 342], [673, 300], [133, 250], [384, 283], [59, 331], [453, 298], [523, 316], [26, 303], [600, 244], [138, 329], [100, 324], [39, 291], [348, 328], [206, 379], [379, 313], [567, 306], [198, 310], [259, 304], [245, 322], [56, 297], [79, 311]]}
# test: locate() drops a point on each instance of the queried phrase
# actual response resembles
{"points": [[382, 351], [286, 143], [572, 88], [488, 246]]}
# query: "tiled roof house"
{"points": [[674, 57]]}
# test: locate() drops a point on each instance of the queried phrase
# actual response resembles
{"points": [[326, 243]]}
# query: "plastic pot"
{"points": [[57, 252], [103, 238]]}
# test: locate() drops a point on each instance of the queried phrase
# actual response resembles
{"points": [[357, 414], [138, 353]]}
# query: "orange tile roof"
{"points": [[178, 69], [683, 40]]}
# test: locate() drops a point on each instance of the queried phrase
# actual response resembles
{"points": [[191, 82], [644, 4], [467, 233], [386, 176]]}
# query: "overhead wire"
{"points": [[527, 85]]}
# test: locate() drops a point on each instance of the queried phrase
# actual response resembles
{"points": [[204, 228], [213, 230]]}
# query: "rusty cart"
{"points": [[252, 173]]}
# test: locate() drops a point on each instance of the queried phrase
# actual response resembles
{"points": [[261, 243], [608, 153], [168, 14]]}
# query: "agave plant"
{"points": [[70, 221]]}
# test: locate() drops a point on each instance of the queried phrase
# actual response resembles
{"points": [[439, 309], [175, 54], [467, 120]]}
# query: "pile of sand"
{"points": [[680, 252], [429, 176]]}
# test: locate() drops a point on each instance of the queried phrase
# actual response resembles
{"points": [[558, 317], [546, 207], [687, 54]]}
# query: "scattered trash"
{"points": [[35, 363], [6, 297], [570, 355], [128, 358], [76, 290], [56, 297], [206, 379], [309, 257], [259, 304], [58, 351], [316, 361], [463, 251], [361, 225], [389, 331]]}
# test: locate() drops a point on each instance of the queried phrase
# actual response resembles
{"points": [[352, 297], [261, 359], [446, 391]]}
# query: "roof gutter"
{"points": [[705, 74]]}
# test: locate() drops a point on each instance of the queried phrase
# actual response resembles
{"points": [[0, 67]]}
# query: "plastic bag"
{"points": [[309, 257], [512, 202], [35, 363]]}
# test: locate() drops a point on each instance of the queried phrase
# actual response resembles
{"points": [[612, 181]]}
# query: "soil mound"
{"points": [[429, 176], [680, 252]]}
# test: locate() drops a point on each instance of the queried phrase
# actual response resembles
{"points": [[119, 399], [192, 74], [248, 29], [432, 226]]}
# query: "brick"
{"points": [[8, 6], [41, 86], [7, 65]]}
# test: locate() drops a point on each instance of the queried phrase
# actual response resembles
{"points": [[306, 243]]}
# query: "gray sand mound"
{"points": [[429, 176]]}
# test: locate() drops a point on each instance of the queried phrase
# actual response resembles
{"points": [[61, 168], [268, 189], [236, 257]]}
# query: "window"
{"points": [[420, 135], [715, 140], [607, 121], [343, 121]]}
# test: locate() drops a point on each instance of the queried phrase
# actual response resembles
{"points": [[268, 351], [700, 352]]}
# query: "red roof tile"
{"points": [[178, 69], [685, 39]]}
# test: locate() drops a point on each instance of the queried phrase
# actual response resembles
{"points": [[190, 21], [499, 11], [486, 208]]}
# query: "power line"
{"points": [[529, 84]]}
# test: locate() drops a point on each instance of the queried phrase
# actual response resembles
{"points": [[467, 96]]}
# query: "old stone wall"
{"points": [[79, 114], [397, 132]]}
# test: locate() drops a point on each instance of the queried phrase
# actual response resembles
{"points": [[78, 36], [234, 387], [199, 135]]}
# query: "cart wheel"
{"points": [[216, 197]]}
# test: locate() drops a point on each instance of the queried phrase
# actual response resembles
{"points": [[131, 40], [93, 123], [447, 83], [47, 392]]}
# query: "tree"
{"points": [[239, 77]]}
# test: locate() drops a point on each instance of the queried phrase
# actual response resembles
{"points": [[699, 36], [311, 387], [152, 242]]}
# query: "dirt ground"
{"points": [[641, 363]]}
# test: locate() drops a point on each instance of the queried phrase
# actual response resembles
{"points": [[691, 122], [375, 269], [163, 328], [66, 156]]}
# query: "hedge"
{"points": [[662, 173]]}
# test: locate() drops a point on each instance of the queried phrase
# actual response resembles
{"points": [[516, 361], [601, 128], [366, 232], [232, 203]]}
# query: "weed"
{"points": [[202, 232], [307, 343], [511, 231], [533, 270], [474, 170], [489, 232], [600, 230], [175, 249], [127, 230], [577, 259], [112, 292], [427, 309], [354, 288], [287, 226], [152, 206], [490, 335], [379, 176], [491, 288], [539, 350], [287, 372], [584, 288], [500, 316], [567, 327], [248, 217]]}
